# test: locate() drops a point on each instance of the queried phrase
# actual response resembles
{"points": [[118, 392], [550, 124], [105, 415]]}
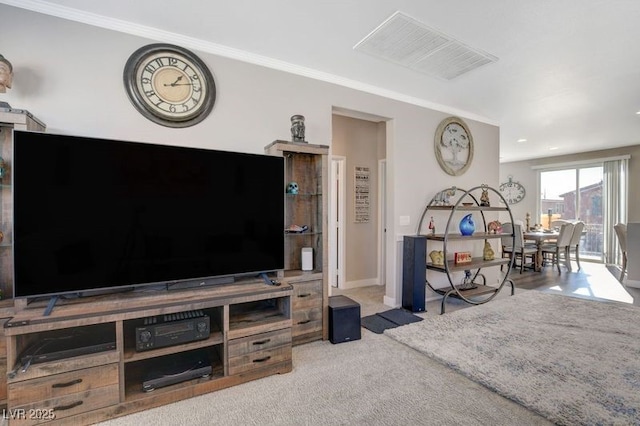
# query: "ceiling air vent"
{"points": [[405, 41]]}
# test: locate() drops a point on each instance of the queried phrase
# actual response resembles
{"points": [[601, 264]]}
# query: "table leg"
{"points": [[539, 256]]}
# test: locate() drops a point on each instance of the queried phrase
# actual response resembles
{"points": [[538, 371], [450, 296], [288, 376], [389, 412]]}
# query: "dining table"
{"points": [[540, 237]]}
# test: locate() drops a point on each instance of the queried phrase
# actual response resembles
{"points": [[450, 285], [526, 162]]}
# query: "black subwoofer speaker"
{"points": [[414, 272], [344, 319]]}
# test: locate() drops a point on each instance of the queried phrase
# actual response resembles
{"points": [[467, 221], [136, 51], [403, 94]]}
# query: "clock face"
{"points": [[169, 85], [513, 192]]}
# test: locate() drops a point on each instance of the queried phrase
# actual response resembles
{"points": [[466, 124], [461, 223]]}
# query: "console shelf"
{"points": [[249, 337], [130, 354]]}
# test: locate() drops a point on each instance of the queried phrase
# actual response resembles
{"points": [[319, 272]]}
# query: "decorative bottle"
{"points": [[432, 226], [467, 226]]}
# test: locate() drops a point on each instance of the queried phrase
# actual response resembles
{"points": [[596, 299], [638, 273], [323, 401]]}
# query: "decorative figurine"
{"points": [[437, 257], [292, 188], [488, 253], [527, 219], [432, 226], [467, 226], [297, 128], [467, 281], [447, 194], [484, 198], [6, 77], [494, 227]]}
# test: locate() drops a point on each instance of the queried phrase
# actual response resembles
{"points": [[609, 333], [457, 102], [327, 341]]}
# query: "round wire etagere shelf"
{"points": [[454, 201]]}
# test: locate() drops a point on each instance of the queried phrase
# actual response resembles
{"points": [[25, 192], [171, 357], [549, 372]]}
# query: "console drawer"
{"points": [[58, 385], [306, 294], [62, 395], [259, 342], [65, 406], [259, 359]]}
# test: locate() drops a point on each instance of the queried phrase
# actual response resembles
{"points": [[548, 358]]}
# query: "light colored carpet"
{"points": [[372, 381], [574, 361]]}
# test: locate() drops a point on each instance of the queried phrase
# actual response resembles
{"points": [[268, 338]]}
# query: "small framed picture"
{"points": [[462, 257]]}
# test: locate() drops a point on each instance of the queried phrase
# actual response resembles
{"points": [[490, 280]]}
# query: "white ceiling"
{"points": [[567, 77]]}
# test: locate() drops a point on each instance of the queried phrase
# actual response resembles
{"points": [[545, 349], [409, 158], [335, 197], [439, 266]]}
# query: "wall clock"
{"points": [[169, 85], [454, 146], [512, 191]]}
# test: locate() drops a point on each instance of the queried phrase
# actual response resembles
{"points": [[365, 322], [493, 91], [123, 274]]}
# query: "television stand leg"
{"points": [[50, 305]]}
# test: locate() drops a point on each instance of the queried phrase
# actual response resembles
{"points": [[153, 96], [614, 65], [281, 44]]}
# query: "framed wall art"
{"points": [[362, 195], [453, 146]]}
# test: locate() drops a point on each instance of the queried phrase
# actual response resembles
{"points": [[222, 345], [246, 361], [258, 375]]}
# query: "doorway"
{"points": [[357, 216]]}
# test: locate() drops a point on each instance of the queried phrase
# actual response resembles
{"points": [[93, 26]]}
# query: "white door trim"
{"points": [[337, 214], [382, 222]]}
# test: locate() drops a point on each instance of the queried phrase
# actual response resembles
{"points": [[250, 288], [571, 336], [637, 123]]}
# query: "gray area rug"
{"points": [[573, 361]]}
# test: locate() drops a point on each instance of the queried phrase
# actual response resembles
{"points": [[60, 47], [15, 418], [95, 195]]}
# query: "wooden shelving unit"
{"points": [[249, 338], [307, 165], [416, 262], [10, 119]]}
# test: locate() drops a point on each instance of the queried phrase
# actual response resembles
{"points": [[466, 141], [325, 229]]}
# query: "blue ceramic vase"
{"points": [[467, 227]]}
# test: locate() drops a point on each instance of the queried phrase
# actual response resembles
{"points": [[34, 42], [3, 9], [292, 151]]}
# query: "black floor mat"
{"points": [[377, 324], [400, 316], [393, 318]]}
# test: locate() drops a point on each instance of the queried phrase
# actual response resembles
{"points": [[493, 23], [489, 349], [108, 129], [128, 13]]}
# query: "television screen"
{"points": [[93, 214]]}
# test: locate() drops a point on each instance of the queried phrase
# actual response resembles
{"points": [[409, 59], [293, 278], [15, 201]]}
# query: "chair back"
{"points": [[518, 243], [507, 228], [559, 222], [566, 232], [621, 232], [577, 233]]}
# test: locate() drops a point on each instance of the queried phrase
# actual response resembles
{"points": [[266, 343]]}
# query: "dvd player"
{"points": [[66, 343], [176, 368]]}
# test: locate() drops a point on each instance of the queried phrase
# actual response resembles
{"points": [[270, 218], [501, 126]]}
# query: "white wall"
{"points": [[69, 75]]}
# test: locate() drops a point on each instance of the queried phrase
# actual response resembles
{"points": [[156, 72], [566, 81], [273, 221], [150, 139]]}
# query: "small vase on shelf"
{"points": [[467, 226]]}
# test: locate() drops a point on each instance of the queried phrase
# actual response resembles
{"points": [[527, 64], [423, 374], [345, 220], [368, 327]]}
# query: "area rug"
{"points": [[382, 321], [573, 361]]}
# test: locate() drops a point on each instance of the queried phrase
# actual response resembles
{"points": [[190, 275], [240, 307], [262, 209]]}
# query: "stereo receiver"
{"points": [[172, 329]]}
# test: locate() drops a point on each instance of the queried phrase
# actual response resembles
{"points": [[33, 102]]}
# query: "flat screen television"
{"points": [[94, 214]]}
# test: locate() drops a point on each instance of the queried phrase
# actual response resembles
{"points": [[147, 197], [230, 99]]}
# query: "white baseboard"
{"points": [[390, 301], [360, 283], [631, 283]]}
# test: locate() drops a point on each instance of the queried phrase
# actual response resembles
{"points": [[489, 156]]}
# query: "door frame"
{"points": [[382, 222], [337, 220]]}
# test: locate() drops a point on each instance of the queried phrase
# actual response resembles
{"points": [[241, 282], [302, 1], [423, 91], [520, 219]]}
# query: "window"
{"points": [[575, 193]]}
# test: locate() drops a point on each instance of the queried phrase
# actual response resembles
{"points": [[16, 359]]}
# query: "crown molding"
{"points": [[160, 35]]}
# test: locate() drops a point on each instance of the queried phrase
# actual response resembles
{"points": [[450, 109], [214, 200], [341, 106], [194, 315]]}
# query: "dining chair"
{"points": [[574, 244], [560, 247], [621, 233], [524, 257], [559, 222]]}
